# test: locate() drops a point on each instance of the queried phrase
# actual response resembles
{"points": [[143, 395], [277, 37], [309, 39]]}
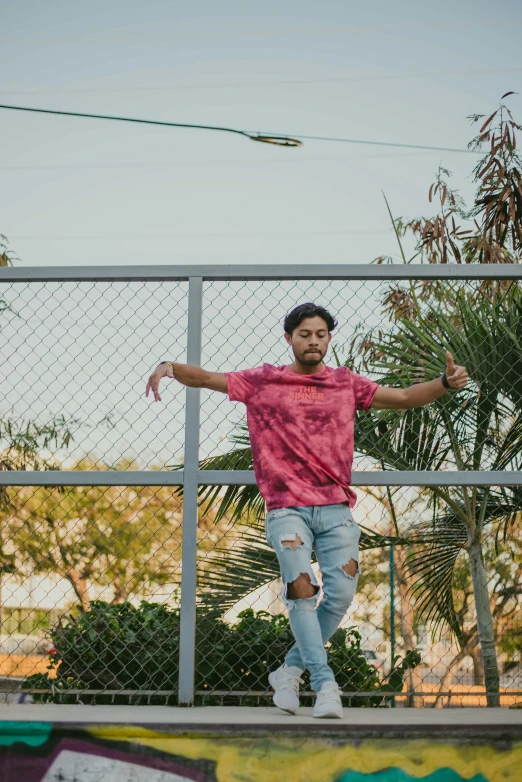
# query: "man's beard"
{"points": [[311, 359]]}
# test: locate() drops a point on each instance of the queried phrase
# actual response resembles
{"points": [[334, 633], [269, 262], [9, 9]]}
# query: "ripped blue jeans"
{"points": [[331, 531]]}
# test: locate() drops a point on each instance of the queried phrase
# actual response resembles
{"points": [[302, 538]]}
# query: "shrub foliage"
{"points": [[121, 647]]}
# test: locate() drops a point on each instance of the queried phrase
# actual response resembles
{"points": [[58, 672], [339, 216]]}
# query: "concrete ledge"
{"points": [[239, 721]]}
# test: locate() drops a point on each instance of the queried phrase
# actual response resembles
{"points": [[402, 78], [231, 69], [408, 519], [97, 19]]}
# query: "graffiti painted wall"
{"points": [[39, 752]]}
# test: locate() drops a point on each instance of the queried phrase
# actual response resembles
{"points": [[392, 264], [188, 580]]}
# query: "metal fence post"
{"points": [[392, 613], [187, 643]]}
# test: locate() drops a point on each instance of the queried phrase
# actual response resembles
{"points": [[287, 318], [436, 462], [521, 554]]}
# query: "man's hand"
{"points": [[420, 393], [456, 376], [187, 375], [162, 370]]}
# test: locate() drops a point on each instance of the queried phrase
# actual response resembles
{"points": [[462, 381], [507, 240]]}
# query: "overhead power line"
{"points": [[281, 141], [277, 139], [383, 143]]}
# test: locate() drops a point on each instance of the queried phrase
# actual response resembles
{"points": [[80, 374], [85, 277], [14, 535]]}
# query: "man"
{"points": [[301, 423]]}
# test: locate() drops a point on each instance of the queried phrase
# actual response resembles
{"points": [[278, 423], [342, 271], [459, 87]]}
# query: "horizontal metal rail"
{"points": [[247, 478], [359, 694], [241, 272], [383, 478], [91, 478], [265, 693]]}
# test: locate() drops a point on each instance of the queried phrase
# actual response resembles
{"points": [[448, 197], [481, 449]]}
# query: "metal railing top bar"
{"points": [[247, 478], [357, 271], [383, 478], [91, 478]]}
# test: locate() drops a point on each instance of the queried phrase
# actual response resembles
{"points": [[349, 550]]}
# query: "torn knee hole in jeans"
{"points": [[351, 568], [301, 588], [291, 540]]}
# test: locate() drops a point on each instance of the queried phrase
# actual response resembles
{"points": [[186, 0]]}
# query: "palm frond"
{"points": [[509, 447], [430, 563], [248, 563], [370, 539], [237, 501], [486, 338], [236, 571]]}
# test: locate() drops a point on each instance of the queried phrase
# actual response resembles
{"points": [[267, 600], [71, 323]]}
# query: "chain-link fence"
{"points": [[134, 565]]}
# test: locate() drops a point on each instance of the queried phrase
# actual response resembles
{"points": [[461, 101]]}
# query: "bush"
{"points": [[120, 647]]}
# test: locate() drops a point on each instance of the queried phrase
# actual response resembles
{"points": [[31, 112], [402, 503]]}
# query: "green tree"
{"points": [[123, 539], [127, 539], [24, 444]]}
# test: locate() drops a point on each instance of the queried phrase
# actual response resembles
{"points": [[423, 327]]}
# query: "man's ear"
{"points": [[288, 338], [329, 337]]}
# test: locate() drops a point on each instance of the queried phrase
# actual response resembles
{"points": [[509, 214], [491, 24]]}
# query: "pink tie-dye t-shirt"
{"points": [[301, 431]]}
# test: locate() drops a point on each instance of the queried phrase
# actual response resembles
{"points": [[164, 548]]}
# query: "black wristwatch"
{"points": [[445, 380]]}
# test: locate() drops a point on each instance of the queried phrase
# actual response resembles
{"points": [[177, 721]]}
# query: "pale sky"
{"points": [[78, 192], [84, 192]]}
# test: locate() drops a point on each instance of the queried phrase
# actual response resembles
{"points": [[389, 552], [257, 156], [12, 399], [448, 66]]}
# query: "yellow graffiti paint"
{"points": [[299, 759]]}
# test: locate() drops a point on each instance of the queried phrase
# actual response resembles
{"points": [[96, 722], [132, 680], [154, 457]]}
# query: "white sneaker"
{"points": [[328, 702], [285, 682]]}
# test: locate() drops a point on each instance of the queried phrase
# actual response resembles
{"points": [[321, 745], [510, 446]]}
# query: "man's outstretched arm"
{"points": [[187, 375], [421, 393]]}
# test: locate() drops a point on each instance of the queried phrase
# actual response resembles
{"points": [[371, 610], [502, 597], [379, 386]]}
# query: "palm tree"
{"points": [[464, 431]]}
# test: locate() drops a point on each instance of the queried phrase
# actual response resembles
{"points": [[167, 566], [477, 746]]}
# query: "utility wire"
{"points": [[384, 144], [281, 141], [267, 138]]}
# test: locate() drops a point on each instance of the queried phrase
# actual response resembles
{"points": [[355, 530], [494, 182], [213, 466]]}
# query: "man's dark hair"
{"points": [[308, 310]]}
